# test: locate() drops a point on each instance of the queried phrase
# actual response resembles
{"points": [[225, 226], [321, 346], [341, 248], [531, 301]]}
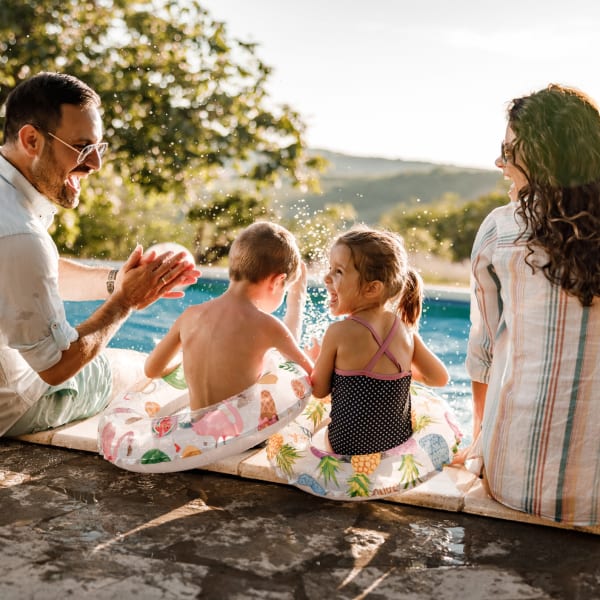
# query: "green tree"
{"points": [[119, 217], [446, 228], [219, 222], [182, 102]]}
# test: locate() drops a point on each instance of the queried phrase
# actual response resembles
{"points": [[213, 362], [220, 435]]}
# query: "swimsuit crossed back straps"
{"points": [[370, 412]]}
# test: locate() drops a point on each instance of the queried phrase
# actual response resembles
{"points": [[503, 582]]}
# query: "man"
{"points": [[50, 372]]}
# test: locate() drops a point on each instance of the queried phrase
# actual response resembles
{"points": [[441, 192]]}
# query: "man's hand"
{"points": [[143, 279]]}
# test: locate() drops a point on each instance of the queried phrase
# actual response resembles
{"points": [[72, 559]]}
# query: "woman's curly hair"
{"points": [[557, 147]]}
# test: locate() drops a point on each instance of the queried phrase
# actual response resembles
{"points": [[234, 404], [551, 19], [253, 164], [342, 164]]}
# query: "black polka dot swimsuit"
{"points": [[370, 412]]}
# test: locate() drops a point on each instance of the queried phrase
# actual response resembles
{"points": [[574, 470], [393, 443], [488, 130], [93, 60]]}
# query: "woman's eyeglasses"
{"points": [[83, 153], [507, 153]]}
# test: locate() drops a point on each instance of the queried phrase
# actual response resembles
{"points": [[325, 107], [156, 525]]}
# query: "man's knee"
{"points": [[127, 367]]}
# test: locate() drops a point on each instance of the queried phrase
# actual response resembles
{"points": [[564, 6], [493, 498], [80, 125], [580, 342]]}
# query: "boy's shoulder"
{"points": [[197, 310]]}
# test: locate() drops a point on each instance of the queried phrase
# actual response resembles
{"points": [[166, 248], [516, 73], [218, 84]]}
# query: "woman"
{"points": [[534, 346]]}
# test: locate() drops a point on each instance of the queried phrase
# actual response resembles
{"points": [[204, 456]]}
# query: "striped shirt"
{"points": [[538, 350]]}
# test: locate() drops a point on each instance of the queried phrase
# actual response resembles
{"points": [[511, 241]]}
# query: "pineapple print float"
{"points": [[284, 455], [363, 465], [298, 452]]}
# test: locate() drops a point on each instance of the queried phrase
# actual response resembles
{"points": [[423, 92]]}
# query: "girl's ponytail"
{"points": [[411, 298]]}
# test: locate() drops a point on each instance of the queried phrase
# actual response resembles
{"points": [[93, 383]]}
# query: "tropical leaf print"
{"points": [[358, 485], [286, 458], [409, 469], [289, 366], [423, 421], [328, 468], [314, 412]]}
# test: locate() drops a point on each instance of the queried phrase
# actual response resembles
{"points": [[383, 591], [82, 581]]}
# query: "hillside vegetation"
{"points": [[375, 186]]}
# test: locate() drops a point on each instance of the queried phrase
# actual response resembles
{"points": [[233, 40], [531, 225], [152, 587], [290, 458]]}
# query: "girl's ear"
{"points": [[373, 289]]}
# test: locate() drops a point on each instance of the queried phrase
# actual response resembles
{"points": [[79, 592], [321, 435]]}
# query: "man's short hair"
{"points": [[38, 101]]}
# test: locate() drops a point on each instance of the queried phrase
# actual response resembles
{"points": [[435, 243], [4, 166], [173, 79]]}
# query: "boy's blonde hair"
{"points": [[261, 250]]}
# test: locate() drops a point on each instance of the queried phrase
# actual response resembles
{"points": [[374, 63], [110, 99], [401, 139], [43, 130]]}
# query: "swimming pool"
{"points": [[444, 327]]}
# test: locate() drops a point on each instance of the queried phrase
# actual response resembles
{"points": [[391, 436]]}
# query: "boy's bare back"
{"points": [[223, 343]]}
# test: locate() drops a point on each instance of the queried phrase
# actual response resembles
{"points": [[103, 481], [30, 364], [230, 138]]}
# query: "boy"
{"points": [[224, 340]]}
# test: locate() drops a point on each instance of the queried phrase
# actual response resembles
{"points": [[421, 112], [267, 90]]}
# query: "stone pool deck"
{"points": [[454, 489], [73, 525]]}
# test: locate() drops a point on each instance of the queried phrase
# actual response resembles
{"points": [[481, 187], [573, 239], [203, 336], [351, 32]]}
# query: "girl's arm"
{"points": [[324, 365], [426, 367], [160, 361]]}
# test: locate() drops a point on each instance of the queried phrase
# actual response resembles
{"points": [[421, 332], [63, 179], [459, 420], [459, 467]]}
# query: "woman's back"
{"points": [[540, 433]]}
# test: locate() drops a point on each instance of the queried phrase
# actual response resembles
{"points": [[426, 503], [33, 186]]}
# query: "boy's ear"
{"points": [[277, 279]]}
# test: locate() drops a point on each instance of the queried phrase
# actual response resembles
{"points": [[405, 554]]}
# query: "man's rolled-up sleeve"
{"points": [[32, 313]]}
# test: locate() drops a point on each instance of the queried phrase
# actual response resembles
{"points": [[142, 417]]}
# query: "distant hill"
{"points": [[346, 165], [375, 185]]}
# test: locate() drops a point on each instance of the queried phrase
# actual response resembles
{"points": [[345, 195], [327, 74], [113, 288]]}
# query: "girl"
{"points": [[367, 360]]}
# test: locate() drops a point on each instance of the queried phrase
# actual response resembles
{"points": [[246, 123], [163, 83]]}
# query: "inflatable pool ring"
{"points": [[154, 431], [298, 453]]}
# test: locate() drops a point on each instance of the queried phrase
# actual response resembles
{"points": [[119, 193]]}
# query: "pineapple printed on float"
{"points": [[298, 452]]}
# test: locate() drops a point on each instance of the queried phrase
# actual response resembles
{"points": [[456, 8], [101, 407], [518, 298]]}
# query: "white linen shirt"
{"points": [[33, 326]]}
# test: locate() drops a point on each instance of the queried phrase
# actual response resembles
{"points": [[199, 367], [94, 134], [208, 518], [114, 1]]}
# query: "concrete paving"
{"points": [[74, 526]]}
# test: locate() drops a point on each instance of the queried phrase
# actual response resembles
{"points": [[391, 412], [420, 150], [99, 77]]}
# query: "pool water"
{"points": [[444, 328]]}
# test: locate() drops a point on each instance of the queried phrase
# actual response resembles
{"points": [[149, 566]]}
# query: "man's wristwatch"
{"points": [[110, 281]]}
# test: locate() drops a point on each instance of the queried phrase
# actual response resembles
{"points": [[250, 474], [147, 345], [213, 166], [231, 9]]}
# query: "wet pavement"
{"points": [[74, 526]]}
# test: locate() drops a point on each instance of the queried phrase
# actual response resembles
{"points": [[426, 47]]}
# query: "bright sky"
{"points": [[416, 79]]}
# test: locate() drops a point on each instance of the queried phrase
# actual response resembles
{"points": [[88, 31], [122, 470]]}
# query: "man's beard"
{"points": [[47, 179]]}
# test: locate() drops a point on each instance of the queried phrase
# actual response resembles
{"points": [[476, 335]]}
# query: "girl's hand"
{"points": [[314, 349]]}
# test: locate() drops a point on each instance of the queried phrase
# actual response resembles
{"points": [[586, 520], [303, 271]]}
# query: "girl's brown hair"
{"points": [[380, 255]]}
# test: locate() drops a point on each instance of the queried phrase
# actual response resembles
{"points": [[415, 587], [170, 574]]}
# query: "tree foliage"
{"points": [[219, 222], [446, 228], [182, 102]]}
